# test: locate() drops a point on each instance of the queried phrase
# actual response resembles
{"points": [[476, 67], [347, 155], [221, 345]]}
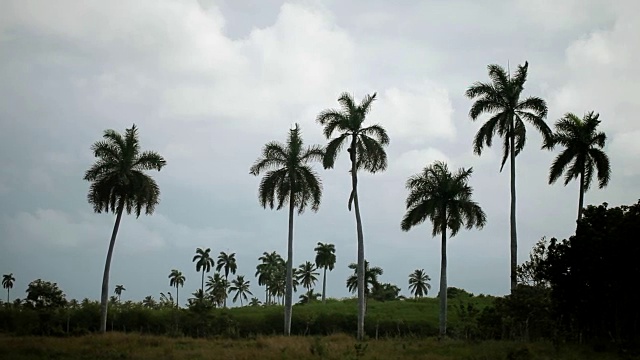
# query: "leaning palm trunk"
{"points": [[361, 268], [514, 234], [324, 285], [443, 283], [289, 279], [107, 266], [581, 200]]}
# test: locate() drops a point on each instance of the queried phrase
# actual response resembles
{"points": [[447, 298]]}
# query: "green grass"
{"points": [[338, 346]]}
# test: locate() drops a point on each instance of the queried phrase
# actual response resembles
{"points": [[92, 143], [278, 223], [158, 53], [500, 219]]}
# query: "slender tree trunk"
{"points": [[514, 234], [324, 285], [177, 297], [581, 199], [443, 283], [7, 295], [266, 295], [104, 298], [226, 279], [202, 287], [289, 279], [361, 269]]}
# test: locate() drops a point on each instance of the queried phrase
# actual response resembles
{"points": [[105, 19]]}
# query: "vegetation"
{"points": [[502, 99], [325, 259], [7, 283], [419, 283], [583, 146], [366, 152], [118, 184], [118, 290], [228, 263], [176, 279], [445, 199]]}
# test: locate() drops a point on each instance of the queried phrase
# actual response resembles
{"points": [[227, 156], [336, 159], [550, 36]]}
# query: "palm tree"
{"points": [[118, 184], [7, 283], [366, 152], [119, 289], [583, 144], [254, 302], [149, 302], [203, 262], [217, 287], [308, 297], [419, 283], [289, 178], [241, 288], [325, 259], [502, 99], [370, 277], [266, 270], [307, 275], [228, 263], [176, 279], [445, 199]]}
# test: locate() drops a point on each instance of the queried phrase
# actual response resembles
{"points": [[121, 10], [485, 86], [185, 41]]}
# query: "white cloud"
{"points": [[414, 161]]}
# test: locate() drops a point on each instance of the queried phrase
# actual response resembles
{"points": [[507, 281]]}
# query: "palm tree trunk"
{"points": [[226, 279], [443, 283], [361, 269], [289, 279], [514, 234], [104, 298], [324, 285], [7, 295], [202, 286], [581, 199]]}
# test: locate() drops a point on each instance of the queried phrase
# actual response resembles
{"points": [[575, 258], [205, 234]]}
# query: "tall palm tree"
{"points": [[119, 184], [502, 100], [289, 178], [366, 152], [325, 259], [419, 283], [176, 279], [370, 277], [307, 275], [204, 262], [217, 287], [582, 153], [7, 283], [119, 289], [266, 271], [241, 287], [445, 199], [228, 263]]}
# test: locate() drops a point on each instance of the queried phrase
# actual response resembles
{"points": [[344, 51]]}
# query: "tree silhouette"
{"points": [[176, 279], [419, 283], [325, 259]]}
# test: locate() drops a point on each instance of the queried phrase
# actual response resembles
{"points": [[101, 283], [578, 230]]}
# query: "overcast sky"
{"points": [[210, 82]]}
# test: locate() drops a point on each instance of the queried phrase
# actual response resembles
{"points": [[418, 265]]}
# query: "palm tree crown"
{"points": [[118, 290], [582, 153], [370, 276], [7, 283], [204, 262], [227, 262], [307, 275], [119, 183], [241, 287], [325, 259], [419, 283], [176, 279]]}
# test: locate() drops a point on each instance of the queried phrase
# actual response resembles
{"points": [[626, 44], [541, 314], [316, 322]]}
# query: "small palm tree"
{"points": [[217, 287], [228, 263], [119, 289], [502, 99], [308, 297], [366, 152], [289, 178], [325, 259], [176, 279], [119, 184], [241, 287], [254, 302], [7, 283], [445, 199], [371, 277], [203, 262], [149, 302], [419, 283], [307, 275], [582, 154]]}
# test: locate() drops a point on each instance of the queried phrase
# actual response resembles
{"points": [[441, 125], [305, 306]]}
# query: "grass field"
{"points": [[339, 346]]}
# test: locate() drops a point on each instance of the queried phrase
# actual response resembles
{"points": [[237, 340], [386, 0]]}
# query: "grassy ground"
{"points": [[135, 346]]}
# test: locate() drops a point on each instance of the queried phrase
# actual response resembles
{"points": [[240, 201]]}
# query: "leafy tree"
{"points": [[366, 152], [228, 263], [289, 179], [241, 287], [45, 294], [445, 199], [166, 300], [325, 259], [582, 153], [118, 184], [501, 98], [385, 292], [419, 283], [119, 289], [203, 262], [309, 296], [176, 279], [370, 277], [7, 283], [307, 275]]}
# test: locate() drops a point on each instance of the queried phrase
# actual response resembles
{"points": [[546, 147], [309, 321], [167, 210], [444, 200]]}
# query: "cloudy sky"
{"points": [[209, 82]]}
